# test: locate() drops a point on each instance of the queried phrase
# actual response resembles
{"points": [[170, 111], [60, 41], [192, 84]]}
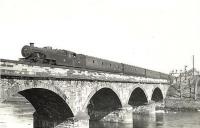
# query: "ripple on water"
{"points": [[13, 116], [20, 116]]}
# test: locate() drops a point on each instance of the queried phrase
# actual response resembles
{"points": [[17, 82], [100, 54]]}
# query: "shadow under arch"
{"points": [[51, 109], [157, 95], [93, 92], [103, 102], [137, 97]]}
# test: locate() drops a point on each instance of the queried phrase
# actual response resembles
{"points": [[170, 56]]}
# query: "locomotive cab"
{"points": [[51, 56]]}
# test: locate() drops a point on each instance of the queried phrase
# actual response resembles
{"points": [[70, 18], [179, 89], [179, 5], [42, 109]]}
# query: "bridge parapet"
{"points": [[20, 69]]}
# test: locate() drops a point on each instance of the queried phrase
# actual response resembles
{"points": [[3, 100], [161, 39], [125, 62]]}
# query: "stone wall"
{"points": [[77, 94]]}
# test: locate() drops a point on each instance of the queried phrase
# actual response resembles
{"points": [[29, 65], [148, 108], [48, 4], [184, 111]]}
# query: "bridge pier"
{"points": [[120, 115], [145, 109], [81, 120], [74, 123], [127, 113]]}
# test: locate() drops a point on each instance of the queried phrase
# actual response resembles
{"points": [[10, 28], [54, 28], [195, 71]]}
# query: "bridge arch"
{"points": [[48, 104], [104, 100], [48, 100], [138, 96], [157, 94], [17, 87], [94, 91]]}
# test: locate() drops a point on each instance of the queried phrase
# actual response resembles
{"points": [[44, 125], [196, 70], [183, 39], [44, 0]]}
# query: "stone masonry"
{"points": [[70, 87]]}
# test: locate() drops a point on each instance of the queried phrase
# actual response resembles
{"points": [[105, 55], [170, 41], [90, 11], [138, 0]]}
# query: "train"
{"points": [[48, 55]]}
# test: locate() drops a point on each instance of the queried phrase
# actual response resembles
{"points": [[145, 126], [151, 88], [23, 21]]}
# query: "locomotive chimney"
{"points": [[31, 44]]}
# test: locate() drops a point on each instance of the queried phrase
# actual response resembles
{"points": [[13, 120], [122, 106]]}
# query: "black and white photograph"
{"points": [[99, 63]]}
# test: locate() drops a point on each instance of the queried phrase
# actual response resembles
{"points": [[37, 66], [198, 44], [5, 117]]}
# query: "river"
{"points": [[18, 115]]}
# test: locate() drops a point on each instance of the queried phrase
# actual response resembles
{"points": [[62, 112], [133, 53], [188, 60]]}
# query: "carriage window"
{"points": [[110, 65], [93, 61], [102, 63]]}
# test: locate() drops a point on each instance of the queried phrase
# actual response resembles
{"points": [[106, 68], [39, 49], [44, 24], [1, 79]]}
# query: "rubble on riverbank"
{"points": [[177, 104]]}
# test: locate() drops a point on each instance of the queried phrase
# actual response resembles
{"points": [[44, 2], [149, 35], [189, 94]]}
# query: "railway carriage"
{"points": [[103, 65], [133, 70], [47, 55], [152, 74]]}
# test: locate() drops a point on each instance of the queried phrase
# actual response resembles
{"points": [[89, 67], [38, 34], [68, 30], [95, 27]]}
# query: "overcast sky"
{"points": [[157, 34]]}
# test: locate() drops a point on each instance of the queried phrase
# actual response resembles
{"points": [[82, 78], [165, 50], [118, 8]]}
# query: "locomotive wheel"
{"points": [[45, 61], [37, 58], [52, 62]]}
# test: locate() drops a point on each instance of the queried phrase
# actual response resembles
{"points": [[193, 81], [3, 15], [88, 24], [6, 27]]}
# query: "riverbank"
{"points": [[177, 104]]}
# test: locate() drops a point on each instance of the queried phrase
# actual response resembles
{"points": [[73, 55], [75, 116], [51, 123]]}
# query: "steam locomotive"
{"points": [[47, 55]]}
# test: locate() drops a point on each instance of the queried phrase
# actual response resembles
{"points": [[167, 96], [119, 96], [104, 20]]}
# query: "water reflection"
{"points": [[96, 124], [16, 115], [139, 121], [157, 120], [20, 116], [142, 120]]}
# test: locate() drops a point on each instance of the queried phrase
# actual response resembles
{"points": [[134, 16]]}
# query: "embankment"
{"points": [[177, 104]]}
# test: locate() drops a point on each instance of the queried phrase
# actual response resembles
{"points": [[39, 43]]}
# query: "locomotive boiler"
{"points": [[50, 56], [47, 55]]}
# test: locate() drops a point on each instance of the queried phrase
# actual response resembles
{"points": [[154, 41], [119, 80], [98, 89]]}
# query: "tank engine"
{"points": [[47, 55]]}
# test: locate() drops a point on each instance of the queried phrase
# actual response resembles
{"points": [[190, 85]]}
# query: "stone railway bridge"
{"points": [[62, 93]]}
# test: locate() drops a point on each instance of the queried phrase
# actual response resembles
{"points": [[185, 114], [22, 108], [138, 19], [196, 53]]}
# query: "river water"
{"points": [[18, 115]]}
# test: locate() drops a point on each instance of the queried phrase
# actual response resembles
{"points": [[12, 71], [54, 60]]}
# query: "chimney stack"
{"points": [[31, 44]]}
